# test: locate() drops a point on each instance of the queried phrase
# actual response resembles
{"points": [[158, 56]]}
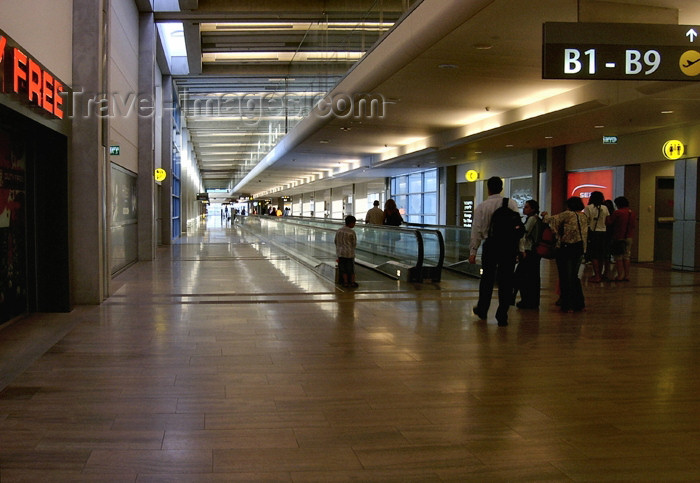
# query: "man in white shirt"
{"points": [[375, 215], [497, 265]]}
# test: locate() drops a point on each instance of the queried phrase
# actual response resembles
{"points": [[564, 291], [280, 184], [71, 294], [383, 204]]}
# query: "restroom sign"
{"points": [[673, 149]]}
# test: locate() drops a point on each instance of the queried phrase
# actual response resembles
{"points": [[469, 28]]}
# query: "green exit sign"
{"points": [[609, 139], [114, 150]]}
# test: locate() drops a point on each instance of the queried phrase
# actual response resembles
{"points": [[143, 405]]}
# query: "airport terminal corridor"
{"points": [[226, 360]]}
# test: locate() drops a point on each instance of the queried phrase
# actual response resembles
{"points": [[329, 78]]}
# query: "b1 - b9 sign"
{"points": [[620, 51]]}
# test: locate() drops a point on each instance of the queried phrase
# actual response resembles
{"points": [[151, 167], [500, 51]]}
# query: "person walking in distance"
{"points": [[375, 215], [500, 249], [392, 217]]}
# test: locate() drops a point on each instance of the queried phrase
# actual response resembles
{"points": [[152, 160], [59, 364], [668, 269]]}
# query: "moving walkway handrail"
{"points": [[379, 247]]}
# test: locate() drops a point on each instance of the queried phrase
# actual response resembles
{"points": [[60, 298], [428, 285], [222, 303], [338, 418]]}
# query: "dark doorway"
{"points": [[34, 269], [663, 216]]}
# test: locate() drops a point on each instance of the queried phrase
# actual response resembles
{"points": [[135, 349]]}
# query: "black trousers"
{"points": [[527, 280], [568, 263], [497, 267]]}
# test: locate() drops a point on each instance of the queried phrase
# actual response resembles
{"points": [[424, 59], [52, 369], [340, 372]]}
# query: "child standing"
{"points": [[345, 243]]}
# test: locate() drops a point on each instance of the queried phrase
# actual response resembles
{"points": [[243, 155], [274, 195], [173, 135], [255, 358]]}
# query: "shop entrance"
{"points": [[34, 266], [663, 216]]}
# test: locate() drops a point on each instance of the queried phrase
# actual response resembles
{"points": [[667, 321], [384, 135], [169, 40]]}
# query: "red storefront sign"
{"points": [[22, 75], [583, 183]]}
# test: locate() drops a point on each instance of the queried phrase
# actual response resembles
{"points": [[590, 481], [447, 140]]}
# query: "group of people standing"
{"points": [[597, 231]]}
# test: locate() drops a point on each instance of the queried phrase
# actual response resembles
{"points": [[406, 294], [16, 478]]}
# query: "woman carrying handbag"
{"points": [[572, 245]]}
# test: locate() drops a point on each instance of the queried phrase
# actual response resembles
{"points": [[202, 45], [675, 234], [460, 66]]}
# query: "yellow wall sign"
{"points": [[673, 149], [160, 174], [689, 63], [471, 175]]}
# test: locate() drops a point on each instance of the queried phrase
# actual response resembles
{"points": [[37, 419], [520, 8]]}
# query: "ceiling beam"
{"points": [[188, 4], [288, 16], [144, 5], [193, 45], [278, 70]]}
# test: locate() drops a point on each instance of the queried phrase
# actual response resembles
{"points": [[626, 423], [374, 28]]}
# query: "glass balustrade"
{"points": [[411, 253]]}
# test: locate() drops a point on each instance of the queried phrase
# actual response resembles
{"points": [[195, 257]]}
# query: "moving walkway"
{"points": [[414, 253]]}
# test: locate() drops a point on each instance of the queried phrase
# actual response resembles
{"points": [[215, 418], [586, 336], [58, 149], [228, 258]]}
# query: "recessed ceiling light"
{"points": [[549, 137], [483, 46], [447, 66], [666, 112], [509, 145], [324, 141], [599, 126]]}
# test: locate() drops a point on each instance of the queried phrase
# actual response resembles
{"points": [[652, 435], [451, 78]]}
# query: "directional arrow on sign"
{"points": [[691, 35]]}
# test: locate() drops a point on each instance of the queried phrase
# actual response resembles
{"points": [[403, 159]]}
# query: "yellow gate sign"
{"points": [[160, 174]]}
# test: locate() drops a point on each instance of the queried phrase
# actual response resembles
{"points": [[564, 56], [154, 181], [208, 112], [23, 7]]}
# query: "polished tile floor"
{"points": [[224, 360]]}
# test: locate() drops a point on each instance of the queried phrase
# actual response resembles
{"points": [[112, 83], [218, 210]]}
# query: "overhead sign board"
{"points": [[620, 51]]}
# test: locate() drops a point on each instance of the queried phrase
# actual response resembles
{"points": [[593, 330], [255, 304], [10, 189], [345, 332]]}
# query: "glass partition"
{"points": [[402, 253]]}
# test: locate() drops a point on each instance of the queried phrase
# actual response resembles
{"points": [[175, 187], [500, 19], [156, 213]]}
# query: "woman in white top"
{"points": [[596, 211]]}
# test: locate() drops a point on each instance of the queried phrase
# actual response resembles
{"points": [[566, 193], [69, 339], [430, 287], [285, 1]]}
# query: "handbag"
{"points": [[546, 247]]}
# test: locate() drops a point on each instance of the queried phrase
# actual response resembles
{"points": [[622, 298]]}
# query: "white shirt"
{"points": [[482, 219], [594, 214], [375, 216]]}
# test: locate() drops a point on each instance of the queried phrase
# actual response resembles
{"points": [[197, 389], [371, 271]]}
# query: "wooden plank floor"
{"points": [[226, 361]]}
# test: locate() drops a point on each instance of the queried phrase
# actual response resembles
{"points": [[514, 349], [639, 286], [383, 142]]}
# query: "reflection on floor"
{"points": [[225, 361]]}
